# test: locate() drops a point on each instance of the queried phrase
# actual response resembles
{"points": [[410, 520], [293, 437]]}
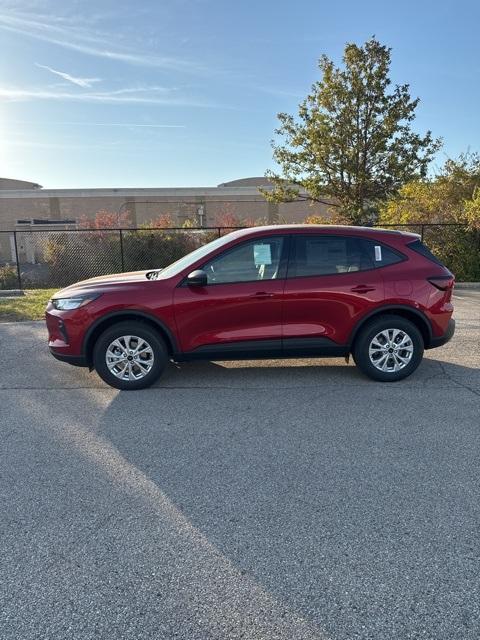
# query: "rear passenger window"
{"points": [[326, 255], [380, 254]]}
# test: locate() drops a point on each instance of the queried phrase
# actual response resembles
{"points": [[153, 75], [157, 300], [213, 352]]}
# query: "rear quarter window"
{"points": [[424, 251]]}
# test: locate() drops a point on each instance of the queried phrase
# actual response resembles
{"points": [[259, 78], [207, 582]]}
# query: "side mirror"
{"points": [[197, 278]]}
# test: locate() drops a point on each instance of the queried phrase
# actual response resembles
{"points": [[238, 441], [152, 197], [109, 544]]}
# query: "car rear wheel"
{"points": [[130, 355], [388, 348]]}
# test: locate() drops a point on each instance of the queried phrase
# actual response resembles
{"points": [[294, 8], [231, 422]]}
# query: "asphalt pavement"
{"points": [[255, 500]]}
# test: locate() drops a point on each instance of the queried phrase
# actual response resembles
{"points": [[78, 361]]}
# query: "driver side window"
{"points": [[254, 260]]}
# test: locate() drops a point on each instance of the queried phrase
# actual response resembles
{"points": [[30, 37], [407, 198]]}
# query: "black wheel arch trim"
{"points": [[392, 307], [127, 314]]}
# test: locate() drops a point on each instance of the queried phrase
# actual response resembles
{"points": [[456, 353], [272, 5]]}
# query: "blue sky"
{"points": [[185, 92]]}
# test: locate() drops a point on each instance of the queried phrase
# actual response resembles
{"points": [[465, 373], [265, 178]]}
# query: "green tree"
{"points": [[352, 141]]}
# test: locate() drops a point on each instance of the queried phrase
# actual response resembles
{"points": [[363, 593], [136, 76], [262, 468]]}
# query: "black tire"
{"points": [[363, 340], [140, 330]]}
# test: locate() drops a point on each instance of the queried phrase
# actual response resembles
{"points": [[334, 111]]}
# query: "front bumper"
{"points": [[438, 341], [77, 361], [64, 336]]}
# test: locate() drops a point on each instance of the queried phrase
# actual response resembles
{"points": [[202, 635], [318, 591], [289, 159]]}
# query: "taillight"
{"points": [[442, 282]]}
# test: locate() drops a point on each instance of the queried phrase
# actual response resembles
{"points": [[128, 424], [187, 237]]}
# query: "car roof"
{"points": [[324, 228]]}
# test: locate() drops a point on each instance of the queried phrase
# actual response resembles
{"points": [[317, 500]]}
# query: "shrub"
{"points": [[157, 249], [8, 277], [458, 248], [77, 256]]}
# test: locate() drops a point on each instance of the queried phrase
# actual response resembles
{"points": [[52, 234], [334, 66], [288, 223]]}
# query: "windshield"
{"points": [[179, 265]]}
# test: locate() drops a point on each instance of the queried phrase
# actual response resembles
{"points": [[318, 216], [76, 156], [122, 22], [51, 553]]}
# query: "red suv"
{"points": [[278, 291]]}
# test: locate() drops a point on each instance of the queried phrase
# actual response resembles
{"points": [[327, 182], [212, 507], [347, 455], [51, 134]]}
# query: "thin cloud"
{"points": [[147, 89], [103, 124], [136, 96], [89, 43], [282, 93], [85, 83], [124, 124], [56, 145]]}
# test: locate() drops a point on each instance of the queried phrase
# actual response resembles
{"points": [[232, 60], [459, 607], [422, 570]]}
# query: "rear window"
{"points": [[420, 248]]}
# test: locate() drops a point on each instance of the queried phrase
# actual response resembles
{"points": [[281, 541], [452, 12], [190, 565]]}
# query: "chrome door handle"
{"points": [[262, 294]]}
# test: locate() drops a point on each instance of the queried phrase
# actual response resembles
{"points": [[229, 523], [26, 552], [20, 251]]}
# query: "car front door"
{"points": [[239, 310], [332, 281]]}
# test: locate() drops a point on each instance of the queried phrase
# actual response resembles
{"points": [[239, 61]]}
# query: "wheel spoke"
{"points": [[385, 336], [147, 349], [407, 347], [115, 356], [118, 344], [382, 362], [398, 364], [121, 374], [395, 333], [141, 346], [405, 340]]}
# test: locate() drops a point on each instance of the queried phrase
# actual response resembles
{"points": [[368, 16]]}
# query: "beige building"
{"points": [[21, 202], [26, 205]]}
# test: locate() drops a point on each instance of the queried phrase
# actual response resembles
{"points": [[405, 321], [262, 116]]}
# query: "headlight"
{"points": [[67, 304]]}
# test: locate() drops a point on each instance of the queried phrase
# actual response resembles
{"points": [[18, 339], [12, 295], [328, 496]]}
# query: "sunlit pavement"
{"points": [[292, 499]]}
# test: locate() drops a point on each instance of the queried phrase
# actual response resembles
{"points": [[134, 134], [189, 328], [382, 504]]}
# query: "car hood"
{"points": [[108, 281]]}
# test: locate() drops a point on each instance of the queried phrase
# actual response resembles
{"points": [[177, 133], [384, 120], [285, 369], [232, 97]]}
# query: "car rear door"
{"points": [[331, 283], [240, 309]]}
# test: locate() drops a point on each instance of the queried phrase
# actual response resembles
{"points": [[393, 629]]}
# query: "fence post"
{"points": [[422, 231], [121, 251], [219, 230], [17, 260]]}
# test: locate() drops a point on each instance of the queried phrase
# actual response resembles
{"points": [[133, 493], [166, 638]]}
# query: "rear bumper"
{"points": [[77, 361], [438, 341]]}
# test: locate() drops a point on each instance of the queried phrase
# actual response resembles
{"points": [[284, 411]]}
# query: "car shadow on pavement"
{"points": [[304, 372], [342, 505]]}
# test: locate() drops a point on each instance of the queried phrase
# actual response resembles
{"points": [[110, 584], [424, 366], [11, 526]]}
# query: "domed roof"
{"points": [[256, 181], [11, 184]]}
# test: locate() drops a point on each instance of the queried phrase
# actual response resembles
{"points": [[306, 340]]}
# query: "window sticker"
{"points": [[378, 253], [262, 254]]}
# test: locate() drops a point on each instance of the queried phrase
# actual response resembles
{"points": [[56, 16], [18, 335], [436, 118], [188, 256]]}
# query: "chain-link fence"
{"points": [[32, 259], [36, 259]]}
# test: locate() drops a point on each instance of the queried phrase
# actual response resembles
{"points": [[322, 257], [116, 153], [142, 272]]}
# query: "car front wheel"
{"points": [[130, 355], [388, 348]]}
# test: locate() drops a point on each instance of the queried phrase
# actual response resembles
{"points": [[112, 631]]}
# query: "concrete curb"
{"points": [[467, 285], [11, 293]]}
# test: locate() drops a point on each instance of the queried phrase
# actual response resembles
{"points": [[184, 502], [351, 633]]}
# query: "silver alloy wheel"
{"points": [[129, 358], [390, 350]]}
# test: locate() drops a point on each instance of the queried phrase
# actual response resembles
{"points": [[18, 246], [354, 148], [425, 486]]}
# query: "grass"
{"points": [[31, 306]]}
